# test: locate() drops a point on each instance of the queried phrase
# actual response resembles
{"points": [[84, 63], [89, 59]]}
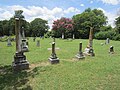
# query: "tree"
{"points": [[117, 23], [38, 27], [89, 18], [62, 26]]}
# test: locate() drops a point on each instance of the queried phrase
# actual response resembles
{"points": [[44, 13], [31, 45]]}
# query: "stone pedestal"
{"points": [[24, 46], [80, 54], [53, 58], [20, 62]]}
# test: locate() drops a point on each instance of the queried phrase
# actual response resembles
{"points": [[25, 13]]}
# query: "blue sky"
{"points": [[54, 9]]}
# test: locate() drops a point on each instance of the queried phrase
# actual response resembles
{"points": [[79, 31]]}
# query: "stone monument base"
{"points": [[54, 60], [25, 49], [89, 52], [80, 56], [20, 62]]}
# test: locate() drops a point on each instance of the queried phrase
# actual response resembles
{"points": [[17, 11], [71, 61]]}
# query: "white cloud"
{"points": [[71, 9], [32, 12], [91, 2], [82, 5], [113, 2], [111, 17]]}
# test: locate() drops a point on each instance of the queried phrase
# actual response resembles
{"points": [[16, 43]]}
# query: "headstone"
{"points": [[80, 53], [38, 43], [24, 40], [53, 58], [89, 49], [111, 50], [62, 35], [9, 42], [107, 41], [73, 36], [20, 62], [24, 46]]}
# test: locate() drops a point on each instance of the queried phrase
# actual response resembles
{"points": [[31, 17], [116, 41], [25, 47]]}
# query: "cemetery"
{"points": [[63, 62]]}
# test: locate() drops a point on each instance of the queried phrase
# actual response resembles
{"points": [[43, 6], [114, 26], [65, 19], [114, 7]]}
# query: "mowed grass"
{"points": [[101, 72]]}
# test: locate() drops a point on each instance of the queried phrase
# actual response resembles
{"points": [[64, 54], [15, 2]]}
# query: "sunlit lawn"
{"points": [[101, 72]]}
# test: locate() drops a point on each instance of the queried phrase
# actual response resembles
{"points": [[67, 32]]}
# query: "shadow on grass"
{"points": [[10, 80]]}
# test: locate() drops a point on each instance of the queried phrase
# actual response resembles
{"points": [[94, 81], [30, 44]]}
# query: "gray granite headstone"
{"points": [[107, 41], [38, 43], [9, 42]]}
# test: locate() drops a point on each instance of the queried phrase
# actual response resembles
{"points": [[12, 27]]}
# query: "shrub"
{"points": [[117, 37], [106, 34]]}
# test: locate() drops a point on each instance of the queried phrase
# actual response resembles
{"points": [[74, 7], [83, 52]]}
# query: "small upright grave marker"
{"points": [[38, 43], [53, 58], [111, 50], [107, 41], [9, 42], [80, 53]]}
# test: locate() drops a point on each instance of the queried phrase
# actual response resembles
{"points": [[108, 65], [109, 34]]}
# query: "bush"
{"points": [[106, 34], [117, 37]]}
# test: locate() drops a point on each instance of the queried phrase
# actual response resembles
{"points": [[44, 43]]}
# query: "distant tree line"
{"points": [[37, 27], [79, 26]]}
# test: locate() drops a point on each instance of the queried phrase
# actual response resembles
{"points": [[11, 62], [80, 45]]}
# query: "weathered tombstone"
{"points": [[89, 49], [24, 42], [111, 50], [53, 58], [38, 43], [20, 62], [63, 36], [24, 46], [107, 41], [80, 53], [9, 42], [73, 36]]}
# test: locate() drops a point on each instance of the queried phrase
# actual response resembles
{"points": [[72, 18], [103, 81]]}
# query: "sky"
{"points": [[54, 9]]}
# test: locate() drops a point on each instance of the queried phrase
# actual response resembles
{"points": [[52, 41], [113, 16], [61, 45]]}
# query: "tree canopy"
{"points": [[89, 18], [62, 25], [39, 27]]}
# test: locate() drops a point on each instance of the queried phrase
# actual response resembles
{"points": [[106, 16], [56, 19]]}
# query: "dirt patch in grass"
{"points": [[39, 64]]}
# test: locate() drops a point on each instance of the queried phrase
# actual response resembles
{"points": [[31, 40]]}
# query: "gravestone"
{"points": [[20, 62], [111, 50], [63, 36], [38, 43], [53, 58], [9, 42], [80, 53], [107, 41], [89, 49], [73, 36], [24, 46], [24, 42]]}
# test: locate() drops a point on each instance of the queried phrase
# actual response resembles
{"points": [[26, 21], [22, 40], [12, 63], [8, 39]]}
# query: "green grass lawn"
{"points": [[101, 72]]}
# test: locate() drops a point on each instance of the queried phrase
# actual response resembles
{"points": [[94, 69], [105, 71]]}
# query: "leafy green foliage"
{"points": [[89, 18], [39, 27], [63, 25]]}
